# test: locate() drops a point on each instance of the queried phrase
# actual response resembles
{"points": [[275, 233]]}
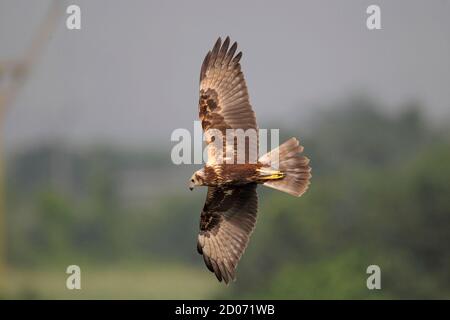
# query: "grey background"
{"points": [[130, 76]]}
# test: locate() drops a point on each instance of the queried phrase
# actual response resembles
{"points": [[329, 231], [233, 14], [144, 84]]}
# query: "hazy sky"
{"points": [[130, 75]]}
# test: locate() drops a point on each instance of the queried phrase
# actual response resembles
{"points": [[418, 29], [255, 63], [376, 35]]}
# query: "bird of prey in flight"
{"points": [[229, 214]]}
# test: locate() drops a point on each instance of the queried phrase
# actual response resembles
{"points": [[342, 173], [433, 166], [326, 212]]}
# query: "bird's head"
{"points": [[197, 179]]}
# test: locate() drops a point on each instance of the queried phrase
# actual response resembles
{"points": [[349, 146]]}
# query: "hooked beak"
{"points": [[191, 186]]}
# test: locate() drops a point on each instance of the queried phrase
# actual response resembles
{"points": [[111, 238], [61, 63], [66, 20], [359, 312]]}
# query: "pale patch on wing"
{"points": [[224, 102]]}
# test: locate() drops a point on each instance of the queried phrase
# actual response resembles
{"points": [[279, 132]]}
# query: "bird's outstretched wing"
{"points": [[224, 102], [226, 223]]}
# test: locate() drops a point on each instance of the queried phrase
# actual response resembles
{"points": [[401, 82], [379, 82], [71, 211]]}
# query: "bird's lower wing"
{"points": [[226, 223]]}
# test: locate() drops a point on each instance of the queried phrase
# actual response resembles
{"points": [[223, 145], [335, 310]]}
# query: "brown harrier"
{"points": [[229, 214]]}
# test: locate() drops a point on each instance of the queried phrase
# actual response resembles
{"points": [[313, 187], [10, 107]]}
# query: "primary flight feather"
{"points": [[229, 214]]}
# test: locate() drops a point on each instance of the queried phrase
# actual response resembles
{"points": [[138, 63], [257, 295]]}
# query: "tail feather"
{"points": [[295, 167]]}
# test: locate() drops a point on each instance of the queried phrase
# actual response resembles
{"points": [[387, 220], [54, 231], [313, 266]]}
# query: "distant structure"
{"points": [[13, 75]]}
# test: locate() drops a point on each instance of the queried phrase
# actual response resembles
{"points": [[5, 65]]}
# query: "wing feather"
{"points": [[224, 102], [226, 223]]}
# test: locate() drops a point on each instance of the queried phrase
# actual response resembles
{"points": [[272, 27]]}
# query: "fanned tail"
{"points": [[294, 170]]}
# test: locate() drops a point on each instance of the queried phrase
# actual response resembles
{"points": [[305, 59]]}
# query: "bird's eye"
{"points": [[192, 180]]}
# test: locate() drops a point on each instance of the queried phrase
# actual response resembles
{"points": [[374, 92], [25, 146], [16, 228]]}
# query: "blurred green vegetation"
{"points": [[379, 195]]}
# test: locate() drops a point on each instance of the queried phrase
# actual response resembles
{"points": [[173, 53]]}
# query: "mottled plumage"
{"points": [[229, 214]]}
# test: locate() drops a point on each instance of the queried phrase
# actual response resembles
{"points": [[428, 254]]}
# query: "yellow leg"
{"points": [[269, 174]]}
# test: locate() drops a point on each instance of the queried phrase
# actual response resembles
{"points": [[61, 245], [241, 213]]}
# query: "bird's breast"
{"points": [[231, 174]]}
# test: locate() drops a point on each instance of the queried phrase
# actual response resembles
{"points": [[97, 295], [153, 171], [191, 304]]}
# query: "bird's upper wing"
{"points": [[226, 223], [224, 102]]}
